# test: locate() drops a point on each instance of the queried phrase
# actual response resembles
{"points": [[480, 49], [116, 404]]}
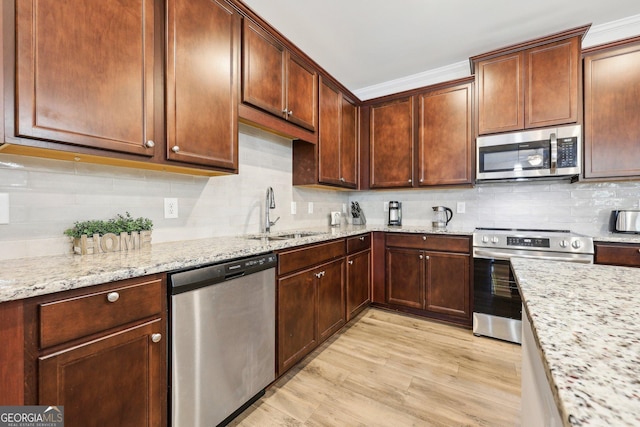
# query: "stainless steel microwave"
{"points": [[542, 153]]}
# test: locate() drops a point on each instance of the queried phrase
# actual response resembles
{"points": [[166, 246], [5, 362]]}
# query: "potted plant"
{"points": [[121, 233]]}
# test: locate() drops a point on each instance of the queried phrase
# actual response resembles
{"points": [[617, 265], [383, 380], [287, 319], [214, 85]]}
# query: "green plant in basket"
{"points": [[119, 224]]}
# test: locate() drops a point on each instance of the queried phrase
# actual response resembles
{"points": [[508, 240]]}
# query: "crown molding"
{"points": [[597, 34], [612, 31], [426, 78]]}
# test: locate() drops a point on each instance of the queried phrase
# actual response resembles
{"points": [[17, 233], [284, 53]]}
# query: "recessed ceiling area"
{"points": [[364, 43]]}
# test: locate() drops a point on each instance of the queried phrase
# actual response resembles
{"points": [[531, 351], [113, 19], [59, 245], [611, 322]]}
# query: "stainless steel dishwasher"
{"points": [[222, 339]]}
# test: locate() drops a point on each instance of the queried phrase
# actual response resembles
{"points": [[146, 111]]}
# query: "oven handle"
{"points": [[579, 258]]}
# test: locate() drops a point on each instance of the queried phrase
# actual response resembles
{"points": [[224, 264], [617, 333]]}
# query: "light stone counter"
{"points": [[586, 323], [617, 238], [29, 277]]}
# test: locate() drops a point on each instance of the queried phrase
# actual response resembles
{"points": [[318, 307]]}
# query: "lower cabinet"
{"points": [[358, 282], [101, 353], [627, 255], [310, 299], [430, 275]]}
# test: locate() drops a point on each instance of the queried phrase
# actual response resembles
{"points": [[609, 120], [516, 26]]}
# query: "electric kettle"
{"points": [[441, 217]]}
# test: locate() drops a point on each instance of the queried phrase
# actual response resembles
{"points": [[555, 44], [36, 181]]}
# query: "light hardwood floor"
{"points": [[388, 369]]}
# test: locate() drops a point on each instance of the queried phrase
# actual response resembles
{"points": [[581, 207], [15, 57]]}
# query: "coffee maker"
{"points": [[395, 213]]}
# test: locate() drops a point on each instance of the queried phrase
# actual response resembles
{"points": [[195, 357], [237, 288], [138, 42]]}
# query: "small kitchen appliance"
{"points": [[335, 218], [625, 221], [497, 306], [442, 215], [395, 213]]}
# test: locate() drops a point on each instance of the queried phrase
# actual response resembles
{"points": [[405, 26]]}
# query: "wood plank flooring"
{"points": [[388, 369]]}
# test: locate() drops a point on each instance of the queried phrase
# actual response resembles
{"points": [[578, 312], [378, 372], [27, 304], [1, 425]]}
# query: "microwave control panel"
{"points": [[568, 152]]}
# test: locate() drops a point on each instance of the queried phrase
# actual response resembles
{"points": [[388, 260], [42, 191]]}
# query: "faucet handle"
{"points": [[273, 222]]}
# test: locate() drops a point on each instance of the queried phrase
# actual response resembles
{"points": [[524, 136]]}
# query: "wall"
{"points": [[579, 207], [48, 196]]}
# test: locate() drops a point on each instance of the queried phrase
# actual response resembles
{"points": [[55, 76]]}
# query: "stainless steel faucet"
{"points": [[270, 203]]}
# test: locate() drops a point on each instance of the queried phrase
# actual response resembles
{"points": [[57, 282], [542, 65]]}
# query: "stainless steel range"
{"points": [[496, 304]]}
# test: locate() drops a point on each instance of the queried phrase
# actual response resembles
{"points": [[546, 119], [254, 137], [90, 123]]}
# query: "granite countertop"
{"points": [[618, 238], [29, 277], [586, 320]]}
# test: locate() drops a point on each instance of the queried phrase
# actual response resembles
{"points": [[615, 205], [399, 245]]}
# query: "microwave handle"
{"points": [[554, 153]]}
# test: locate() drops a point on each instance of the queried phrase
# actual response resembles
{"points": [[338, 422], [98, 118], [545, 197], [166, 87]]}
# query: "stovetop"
{"points": [[533, 239]]}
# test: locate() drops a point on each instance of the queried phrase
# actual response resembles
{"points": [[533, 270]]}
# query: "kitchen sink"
{"points": [[285, 236]]}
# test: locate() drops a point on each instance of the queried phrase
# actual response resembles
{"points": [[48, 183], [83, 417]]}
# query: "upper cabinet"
{"points": [[276, 80], [391, 140], [82, 80], [445, 136], [203, 55], [333, 161], [612, 111], [534, 84]]}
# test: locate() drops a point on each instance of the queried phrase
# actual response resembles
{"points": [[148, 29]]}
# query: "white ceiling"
{"points": [[365, 43]]}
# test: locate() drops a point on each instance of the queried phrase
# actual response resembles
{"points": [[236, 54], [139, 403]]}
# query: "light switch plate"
{"points": [[310, 207], [294, 208], [461, 207], [4, 208]]}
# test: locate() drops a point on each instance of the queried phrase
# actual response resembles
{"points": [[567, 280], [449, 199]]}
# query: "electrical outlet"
{"points": [[344, 208], [294, 208], [4, 208], [170, 207], [310, 207], [385, 207], [461, 207]]}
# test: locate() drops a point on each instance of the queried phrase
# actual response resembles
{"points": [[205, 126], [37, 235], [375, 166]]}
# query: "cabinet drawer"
{"points": [[625, 255], [358, 243], [297, 259], [430, 242], [80, 316]]}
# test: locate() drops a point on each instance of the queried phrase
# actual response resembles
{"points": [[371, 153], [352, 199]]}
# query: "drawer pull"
{"points": [[156, 337], [424, 237], [113, 296], [362, 239], [351, 262]]}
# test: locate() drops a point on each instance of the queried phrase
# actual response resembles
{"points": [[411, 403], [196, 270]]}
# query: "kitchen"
{"points": [[46, 196]]}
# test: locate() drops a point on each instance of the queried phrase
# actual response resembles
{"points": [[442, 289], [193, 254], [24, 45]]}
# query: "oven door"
{"points": [[495, 289]]}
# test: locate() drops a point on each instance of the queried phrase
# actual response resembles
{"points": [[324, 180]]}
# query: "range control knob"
{"points": [[564, 243], [495, 239], [485, 239], [576, 244]]}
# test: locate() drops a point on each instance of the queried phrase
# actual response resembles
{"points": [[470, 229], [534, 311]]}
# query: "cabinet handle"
{"points": [[290, 112], [319, 275], [175, 148], [150, 144], [156, 337], [421, 257], [410, 181], [342, 179], [427, 257], [424, 237], [362, 239], [113, 296], [285, 111], [351, 262]]}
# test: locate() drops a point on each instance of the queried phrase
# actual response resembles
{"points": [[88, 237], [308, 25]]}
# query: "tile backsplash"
{"points": [[47, 196]]}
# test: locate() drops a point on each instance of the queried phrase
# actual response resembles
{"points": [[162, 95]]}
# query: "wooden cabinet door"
{"points": [[85, 73], [551, 84], [263, 70], [297, 318], [301, 93], [203, 48], [391, 144], [405, 277], [500, 93], [445, 138], [120, 379], [349, 145], [447, 284], [612, 113], [331, 301], [329, 135], [358, 282]]}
